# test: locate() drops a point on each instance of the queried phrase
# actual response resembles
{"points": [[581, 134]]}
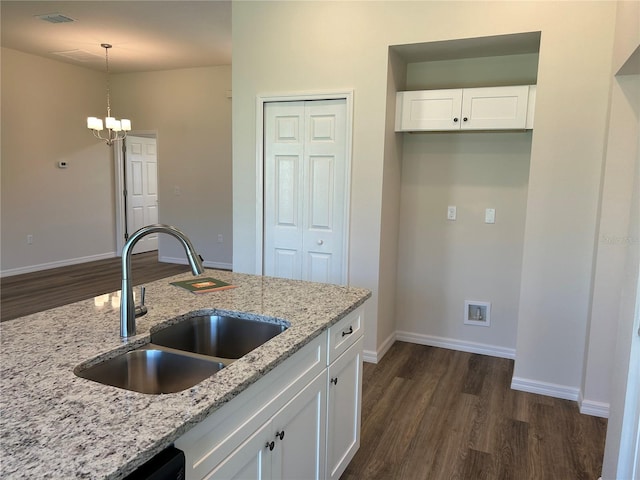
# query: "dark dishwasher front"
{"points": [[167, 465]]}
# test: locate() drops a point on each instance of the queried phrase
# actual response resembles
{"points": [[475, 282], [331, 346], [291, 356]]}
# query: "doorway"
{"points": [[136, 165], [304, 166]]}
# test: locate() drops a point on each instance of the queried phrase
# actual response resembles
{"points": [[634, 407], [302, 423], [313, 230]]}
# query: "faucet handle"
{"points": [[141, 309], [143, 290]]}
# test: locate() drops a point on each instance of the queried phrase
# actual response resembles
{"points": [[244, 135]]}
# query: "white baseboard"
{"points": [[56, 264], [544, 388], [374, 356], [454, 344], [370, 356], [593, 408], [206, 263]]}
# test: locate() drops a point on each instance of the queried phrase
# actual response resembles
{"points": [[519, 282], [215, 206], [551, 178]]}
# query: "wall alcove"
{"points": [[442, 262]]}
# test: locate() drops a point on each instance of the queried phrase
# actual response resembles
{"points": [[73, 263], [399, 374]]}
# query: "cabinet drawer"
{"points": [[213, 439], [345, 333]]}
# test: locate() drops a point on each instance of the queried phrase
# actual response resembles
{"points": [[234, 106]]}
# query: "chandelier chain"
{"points": [[106, 58]]}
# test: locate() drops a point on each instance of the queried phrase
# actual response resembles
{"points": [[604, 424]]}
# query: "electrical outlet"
{"points": [[220, 238], [29, 239], [451, 212]]}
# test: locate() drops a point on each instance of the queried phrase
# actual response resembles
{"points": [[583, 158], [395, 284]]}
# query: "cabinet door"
{"points": [[299, 434], [429, 110], [343, 412], [250, 461], [495, 108]]}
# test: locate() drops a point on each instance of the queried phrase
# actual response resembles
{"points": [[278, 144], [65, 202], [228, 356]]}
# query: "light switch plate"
{"points": [[490, 215]]}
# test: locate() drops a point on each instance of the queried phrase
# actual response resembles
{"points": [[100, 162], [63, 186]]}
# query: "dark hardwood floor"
{"points": [[34, 292], [427, 413], [432, 413]]}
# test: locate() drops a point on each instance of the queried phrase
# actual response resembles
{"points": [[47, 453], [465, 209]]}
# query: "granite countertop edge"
{"points": [[56, 425]]}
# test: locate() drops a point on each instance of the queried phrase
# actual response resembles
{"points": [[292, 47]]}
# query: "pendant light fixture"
{"points": [[116, 129]]}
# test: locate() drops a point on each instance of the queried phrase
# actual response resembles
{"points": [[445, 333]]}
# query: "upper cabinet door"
{"points": [[428, 110], [495, 108], [486, 108]]}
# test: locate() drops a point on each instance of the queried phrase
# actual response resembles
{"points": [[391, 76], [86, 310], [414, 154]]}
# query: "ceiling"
{"points": [[146, 35], [498, 45]]}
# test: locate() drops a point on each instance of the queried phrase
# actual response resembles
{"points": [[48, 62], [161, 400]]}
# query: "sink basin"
{"points": [[219, 336], [151, 371]]}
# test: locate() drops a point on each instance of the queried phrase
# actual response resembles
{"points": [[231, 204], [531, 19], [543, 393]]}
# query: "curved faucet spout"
{"points": [[127, 304]]}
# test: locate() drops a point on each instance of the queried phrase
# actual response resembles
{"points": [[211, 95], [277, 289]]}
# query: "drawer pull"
{"points": [[349, 332], [270, 445], [280, 435], [334, 381]]}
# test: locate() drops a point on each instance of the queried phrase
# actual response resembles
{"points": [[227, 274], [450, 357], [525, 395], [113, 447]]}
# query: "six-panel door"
{"points": [[305, 191]]}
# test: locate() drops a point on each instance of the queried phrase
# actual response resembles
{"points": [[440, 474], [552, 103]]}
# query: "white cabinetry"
{"points": [[344, 406], [290, 446], [299, 435], [250, 460], [487, 108], [344, 392], [282, 425]]}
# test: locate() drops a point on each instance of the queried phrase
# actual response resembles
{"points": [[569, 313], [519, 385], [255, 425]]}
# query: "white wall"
{"points": [[390, 214], [443, 263], [306, 46], [69, 212], [617, 354], [614, 346], [190, 111], [613, 243]]}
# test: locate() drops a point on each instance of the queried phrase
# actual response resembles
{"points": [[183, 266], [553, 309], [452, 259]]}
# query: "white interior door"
{"points": [[142, 189], [305, 191]]}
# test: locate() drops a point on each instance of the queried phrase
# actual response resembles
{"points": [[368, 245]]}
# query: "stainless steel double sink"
{"points": [[183, 354]]}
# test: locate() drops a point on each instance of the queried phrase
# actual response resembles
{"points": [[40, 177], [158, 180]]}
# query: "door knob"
{"points": [[320, 242]]}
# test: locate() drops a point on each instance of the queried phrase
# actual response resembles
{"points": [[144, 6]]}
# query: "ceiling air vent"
{"points": [[79, 55], [55, 18]]}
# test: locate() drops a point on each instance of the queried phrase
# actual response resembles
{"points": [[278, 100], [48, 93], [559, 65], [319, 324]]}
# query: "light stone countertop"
{"points": [[56, 425]]}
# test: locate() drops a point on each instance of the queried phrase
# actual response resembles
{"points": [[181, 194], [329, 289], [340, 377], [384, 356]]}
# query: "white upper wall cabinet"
{"points": [[487, 108]]}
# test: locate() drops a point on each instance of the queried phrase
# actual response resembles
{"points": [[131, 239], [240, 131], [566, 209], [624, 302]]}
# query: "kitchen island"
{"points": [[54, 424]]}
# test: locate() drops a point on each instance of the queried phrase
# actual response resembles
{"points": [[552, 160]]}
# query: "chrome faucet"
{"points": [[127, 303]]}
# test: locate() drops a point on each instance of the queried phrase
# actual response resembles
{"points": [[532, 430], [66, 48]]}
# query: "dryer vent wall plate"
{"points": [[477, 313]]}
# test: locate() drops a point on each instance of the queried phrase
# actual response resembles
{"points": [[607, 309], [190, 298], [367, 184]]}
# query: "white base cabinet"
{"points": [[283, 426], [345, 402], [290, 446], [486, 108]]}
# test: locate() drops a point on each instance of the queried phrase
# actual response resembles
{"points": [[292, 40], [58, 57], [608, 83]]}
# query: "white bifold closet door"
{"points": [[305, 191]]}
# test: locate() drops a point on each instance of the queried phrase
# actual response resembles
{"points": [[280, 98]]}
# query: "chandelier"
{"points": [[116, 129]]}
